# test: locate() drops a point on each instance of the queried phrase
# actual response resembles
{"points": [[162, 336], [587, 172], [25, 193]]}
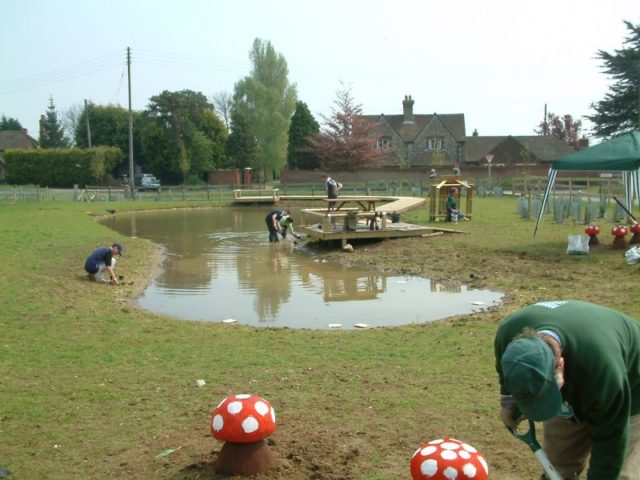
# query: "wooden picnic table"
{"points": [[368, 204]]}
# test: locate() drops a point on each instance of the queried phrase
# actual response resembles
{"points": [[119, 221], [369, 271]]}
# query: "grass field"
{"points": [[93, 387]]}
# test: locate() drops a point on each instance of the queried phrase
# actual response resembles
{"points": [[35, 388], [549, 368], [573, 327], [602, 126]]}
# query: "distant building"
{"points": [[13, 139], [439, 140]]}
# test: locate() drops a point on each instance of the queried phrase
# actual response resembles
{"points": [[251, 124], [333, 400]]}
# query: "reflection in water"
{"points": [[220, 265]]}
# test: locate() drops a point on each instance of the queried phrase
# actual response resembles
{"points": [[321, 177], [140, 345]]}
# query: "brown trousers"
{"points": [[568, 446]]}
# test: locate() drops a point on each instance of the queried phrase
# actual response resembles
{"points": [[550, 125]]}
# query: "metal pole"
{"points": [[132, 189], [86, 114]]}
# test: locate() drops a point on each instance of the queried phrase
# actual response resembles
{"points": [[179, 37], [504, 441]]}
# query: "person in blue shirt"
{"points": [[101, 262]]}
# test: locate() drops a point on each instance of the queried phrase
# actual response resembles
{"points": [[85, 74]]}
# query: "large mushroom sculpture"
{"points": [[635, 229], [619, 232], [447, 459], [243, 422]]}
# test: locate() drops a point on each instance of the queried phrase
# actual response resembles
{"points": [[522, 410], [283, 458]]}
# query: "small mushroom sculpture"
{"points": [[243, 422], [448, 459], [593, 231], [619, 232], [635, 229]]}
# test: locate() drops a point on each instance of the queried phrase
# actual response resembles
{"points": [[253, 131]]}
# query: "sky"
{"points": [[499, 62]]}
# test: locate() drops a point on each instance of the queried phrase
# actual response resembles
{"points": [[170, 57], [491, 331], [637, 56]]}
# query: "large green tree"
{"points": [[266, 100], [51, 129], [109, 126], [345, 140], [9, 124], [619, 111], [303, 127], [241, 148], [181, 136]]}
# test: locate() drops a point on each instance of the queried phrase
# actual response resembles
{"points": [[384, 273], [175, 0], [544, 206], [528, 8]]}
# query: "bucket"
{"points": [[395, 217], [454, 217]]}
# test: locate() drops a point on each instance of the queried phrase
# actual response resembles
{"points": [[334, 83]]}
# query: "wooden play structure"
{"points": [[438, 198]]}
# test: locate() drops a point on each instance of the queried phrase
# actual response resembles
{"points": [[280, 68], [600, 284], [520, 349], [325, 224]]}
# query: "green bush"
{"points": [[60, 167]]}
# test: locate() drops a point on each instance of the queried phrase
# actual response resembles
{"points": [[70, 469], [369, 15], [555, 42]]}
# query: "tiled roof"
{"points": [[16, 139], [545, 148], [454, 122]]}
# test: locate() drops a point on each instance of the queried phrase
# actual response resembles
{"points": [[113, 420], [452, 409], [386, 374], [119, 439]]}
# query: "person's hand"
{"points": [[509, 411]]}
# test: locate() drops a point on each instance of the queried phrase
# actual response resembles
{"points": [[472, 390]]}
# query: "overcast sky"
{"points": [[497, 61]]}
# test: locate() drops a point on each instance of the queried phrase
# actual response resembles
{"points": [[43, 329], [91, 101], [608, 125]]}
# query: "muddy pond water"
{"points": [[220, 267]]}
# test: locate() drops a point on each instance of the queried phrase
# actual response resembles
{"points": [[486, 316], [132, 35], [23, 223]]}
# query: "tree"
{"points": [[51, 130], [241, 148], [223, 103], [9, 124], [109, 126], [181, 135], [266, 100], [303, 127], [564, 128], [345, 140], [619, 111]]}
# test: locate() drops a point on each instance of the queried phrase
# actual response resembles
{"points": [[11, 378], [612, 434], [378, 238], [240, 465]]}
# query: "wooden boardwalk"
{"points": [[371, 217]]}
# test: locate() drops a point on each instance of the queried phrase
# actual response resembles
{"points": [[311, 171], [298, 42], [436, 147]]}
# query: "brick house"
{"points": [[439, 140], [13, 139], [411, 140]]}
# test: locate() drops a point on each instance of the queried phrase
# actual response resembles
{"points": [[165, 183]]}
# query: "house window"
{"points": [[434, 143], [383, 143]]}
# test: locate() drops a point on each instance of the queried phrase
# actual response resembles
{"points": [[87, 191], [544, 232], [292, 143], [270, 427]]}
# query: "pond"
{"points": [[220, 267]]}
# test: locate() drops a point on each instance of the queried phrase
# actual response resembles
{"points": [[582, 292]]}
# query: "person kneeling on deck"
{"points": [[273, 223]]}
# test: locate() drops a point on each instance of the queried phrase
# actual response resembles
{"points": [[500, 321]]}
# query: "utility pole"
{"points": [[132, 188], [86, 114], [545, 127]]}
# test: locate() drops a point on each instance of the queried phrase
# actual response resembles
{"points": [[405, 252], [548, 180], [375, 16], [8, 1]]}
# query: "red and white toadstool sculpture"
{"points": [[593, 231], [243, 422], [635, 229], [448, 459], [619, 232]]}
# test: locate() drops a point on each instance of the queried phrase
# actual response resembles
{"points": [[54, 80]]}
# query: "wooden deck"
{"points": [[328, 231]]}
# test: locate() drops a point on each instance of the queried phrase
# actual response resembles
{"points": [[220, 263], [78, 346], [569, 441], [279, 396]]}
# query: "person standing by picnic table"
{"points": [[576, 367], [333, 187], [273, 223]]}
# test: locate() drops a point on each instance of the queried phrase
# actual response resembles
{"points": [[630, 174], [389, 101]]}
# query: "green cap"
{"points": [[528, 369]]}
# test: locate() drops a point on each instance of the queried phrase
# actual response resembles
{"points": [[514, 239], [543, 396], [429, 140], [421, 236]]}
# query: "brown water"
{"points": [[220, 266]]}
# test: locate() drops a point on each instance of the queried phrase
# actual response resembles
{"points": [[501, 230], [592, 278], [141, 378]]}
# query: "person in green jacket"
{"points": [[453, 214], [576, 367]]}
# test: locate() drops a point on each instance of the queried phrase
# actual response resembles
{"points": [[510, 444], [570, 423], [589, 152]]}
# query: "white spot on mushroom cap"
{"points": [[217, 423], [273, 415], [234, 408], [450, 473], [250, 425], [448, 454], [483, 462], [469, 448], [429, 467], [464, 454], [261, 408], [469, 470], [243, 396], [426, 451], [450, 446]]}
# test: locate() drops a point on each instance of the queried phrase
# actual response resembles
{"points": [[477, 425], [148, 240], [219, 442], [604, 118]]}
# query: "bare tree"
{"points": [[71, 118], [222, 106]]}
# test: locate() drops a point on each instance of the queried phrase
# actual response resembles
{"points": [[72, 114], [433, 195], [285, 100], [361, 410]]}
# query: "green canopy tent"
{"points": [[619, 154]]}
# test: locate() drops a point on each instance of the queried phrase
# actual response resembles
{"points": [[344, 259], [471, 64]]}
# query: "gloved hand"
{"points": [[509, 411]]}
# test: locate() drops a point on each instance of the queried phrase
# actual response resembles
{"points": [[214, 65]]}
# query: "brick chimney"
{"points": [[407, 109]]}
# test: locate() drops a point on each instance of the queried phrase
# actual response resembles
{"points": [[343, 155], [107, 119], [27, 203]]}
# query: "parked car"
{"points": [[146, 182]]}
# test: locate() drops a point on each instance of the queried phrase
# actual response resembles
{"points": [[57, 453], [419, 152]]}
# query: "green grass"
{"points": [[93, 387]]}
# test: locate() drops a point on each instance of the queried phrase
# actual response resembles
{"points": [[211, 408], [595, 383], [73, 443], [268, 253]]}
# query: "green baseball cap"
{"points": [[528, 369]]}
